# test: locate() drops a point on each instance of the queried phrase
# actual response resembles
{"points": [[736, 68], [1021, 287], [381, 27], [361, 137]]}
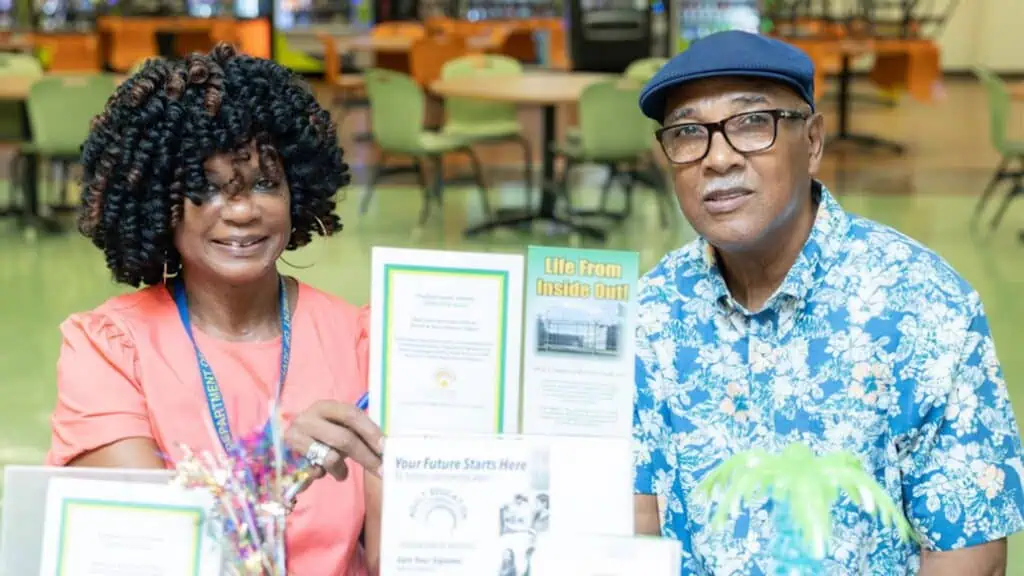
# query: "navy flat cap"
{"points": [[732, 53]]}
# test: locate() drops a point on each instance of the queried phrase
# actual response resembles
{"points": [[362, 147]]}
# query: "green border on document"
{"points": [[501, 275], [69, 503]]}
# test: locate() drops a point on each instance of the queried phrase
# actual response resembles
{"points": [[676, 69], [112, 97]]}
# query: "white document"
{"points": [[560, 555], [446, 329], [579, 362], [101, 528], [461, 506]]}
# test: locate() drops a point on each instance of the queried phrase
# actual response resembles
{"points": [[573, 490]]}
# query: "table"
{"points": [[546, 90], [17, 43], [848, 50]]}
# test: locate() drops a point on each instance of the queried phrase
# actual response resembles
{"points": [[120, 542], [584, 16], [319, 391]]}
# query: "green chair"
{"points": [[626, 141], [999, 120], [480, 122], [60, 112], [396, 120], [645, 69], [13, 121], [20, 65], [293, 59], [12, 116], [640, 71]]}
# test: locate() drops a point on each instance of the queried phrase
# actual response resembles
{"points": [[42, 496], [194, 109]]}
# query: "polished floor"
{"points": [[929, 194]]}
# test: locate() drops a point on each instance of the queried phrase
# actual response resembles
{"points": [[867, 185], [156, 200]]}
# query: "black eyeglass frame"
{"points": [[713, 127]]}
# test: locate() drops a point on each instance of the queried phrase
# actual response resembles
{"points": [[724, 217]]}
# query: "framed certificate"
{"points": [[99, 527]]}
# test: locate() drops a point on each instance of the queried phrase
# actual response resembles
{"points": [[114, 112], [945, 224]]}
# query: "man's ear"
{"points": [[816, 142]]}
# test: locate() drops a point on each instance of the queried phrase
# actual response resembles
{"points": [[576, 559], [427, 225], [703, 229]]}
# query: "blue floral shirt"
{"points": [[873, 344]]}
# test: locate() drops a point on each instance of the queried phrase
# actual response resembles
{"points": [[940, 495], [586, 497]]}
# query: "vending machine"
{"points": [[608, 35], [396, 10]]}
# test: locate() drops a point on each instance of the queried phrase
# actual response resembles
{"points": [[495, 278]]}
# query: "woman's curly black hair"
{"points": [[145, 153]]}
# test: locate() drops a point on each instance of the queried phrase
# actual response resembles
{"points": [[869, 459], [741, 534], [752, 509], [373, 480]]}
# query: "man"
{"points": [[790, 320]]}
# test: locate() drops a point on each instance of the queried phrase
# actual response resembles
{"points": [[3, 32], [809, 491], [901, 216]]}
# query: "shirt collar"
{"points": [[817, 255]]}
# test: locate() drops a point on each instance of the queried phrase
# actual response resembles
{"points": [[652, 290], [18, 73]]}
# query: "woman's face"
{"points": [[244, 223]]}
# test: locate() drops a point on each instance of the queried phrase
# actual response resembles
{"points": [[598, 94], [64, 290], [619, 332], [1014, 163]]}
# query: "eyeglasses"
{"points": [[747, 133]]}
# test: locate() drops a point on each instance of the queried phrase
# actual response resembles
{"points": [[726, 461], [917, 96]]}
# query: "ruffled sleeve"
{"points": [[363, 347], [99, 399]]}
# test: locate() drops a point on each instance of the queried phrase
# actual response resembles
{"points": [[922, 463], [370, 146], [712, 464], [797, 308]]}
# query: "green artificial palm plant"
{"points": [[802, 487]]}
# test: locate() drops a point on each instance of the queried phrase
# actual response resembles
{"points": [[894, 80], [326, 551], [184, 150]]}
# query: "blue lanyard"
{"points": [[214, 398]]}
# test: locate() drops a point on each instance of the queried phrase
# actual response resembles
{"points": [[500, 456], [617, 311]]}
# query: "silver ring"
{"points": [[317, 453]]}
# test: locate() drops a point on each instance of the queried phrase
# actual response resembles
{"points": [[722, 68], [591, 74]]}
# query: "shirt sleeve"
{"points": [[650, 424], [99, 400], [962, 480]]}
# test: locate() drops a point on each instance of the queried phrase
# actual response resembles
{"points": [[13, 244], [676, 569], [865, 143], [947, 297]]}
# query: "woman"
{"points": [[198, 176]]}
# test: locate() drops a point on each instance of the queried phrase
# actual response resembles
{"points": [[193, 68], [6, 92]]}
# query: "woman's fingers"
{"points": [[333, 464], [355, 420], [345, 429], [343, 443]]}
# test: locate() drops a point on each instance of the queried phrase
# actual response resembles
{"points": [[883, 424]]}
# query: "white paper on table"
{"points": [[594, 555], [103, 528], [455, 506], [446, 332]]}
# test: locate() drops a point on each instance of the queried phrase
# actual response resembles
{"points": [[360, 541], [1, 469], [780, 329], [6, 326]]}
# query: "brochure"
{"points": [[458, 506]]}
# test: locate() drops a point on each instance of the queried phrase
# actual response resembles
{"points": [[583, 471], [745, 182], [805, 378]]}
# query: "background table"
{"points": [[547, 90]]}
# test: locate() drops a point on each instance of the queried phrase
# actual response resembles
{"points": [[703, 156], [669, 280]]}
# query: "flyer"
{"points": [[97, 527], [578, 359], [446, 341], [464, 505]]}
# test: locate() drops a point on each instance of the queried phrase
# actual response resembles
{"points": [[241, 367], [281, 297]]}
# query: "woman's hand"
{"points": [[346, 430]]}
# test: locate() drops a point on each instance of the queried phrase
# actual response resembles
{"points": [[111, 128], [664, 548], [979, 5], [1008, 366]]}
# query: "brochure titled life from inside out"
{"points": [[446, 341], [471, 506], [578, 358]]}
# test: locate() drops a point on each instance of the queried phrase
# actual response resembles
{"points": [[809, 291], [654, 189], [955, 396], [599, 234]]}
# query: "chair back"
{"points": [[998, 107], [12, 115], [20, 65], [332, 59], [644, 69], [61, 109], [292, 58], [628, 136], [467, 111], [396, 110]]}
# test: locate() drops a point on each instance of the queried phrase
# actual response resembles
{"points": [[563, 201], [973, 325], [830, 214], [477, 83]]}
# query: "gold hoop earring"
{"points": [[320, 223], [323, 233], [167, 273], [281, 258]]}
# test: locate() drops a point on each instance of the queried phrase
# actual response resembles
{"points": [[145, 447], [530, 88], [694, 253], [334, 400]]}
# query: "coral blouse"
{"points": [[127, 369]]}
